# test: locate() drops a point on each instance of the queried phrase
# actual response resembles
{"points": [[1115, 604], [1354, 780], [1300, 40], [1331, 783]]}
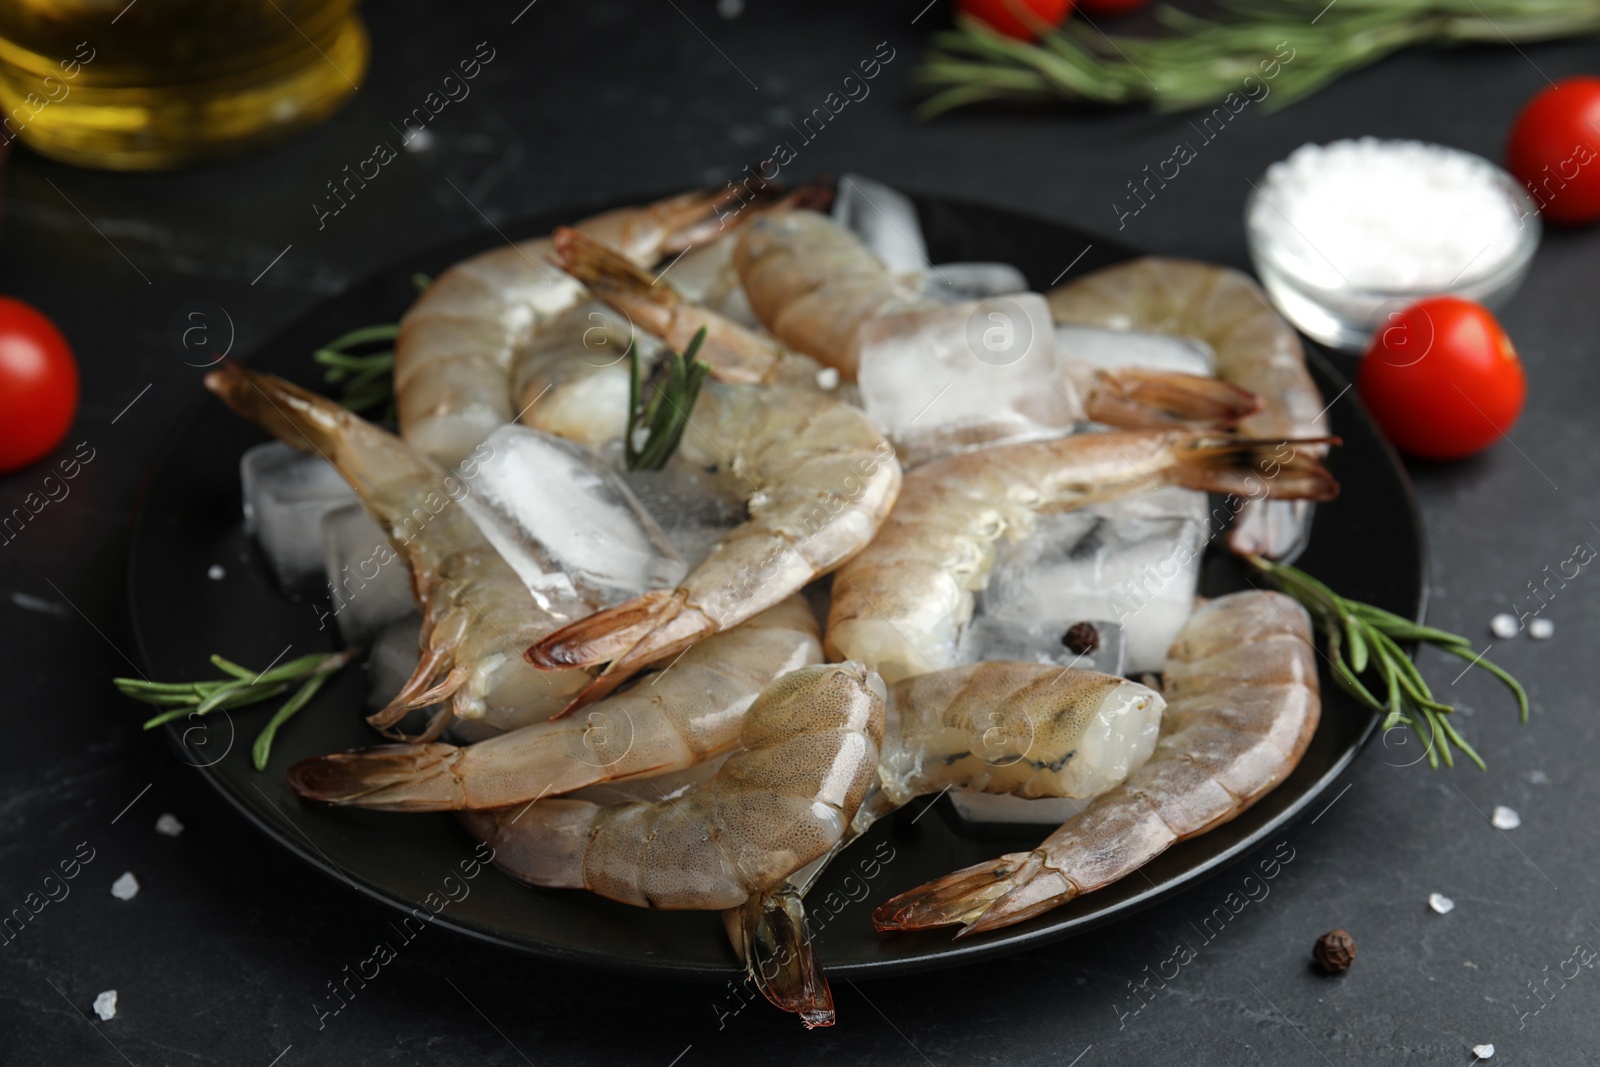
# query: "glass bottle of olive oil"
{"points": [[149, 84]]}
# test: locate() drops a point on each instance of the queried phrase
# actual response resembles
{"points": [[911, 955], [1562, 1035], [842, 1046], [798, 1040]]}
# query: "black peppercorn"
{"points": [[1335, 951], [1082, 639]]}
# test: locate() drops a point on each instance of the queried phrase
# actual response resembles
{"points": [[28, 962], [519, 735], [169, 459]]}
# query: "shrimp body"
{"points": [[1242, 704], [477, 615], [1255, 349], [808, 753], [457, 342], [901, 605], [664, 724], [818, 479]]}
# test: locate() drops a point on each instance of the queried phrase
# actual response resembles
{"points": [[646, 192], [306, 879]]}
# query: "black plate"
{"points": [[188, 519]]}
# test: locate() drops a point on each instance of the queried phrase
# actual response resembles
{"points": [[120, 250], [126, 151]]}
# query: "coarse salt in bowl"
{"points": [[1345, 234]]}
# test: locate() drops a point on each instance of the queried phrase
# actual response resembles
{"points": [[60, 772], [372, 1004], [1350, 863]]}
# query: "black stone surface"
{"points": [[224, 952]]}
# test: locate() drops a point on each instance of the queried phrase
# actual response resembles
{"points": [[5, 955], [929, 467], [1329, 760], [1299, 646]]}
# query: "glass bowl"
{"points": [[1343, 316]]}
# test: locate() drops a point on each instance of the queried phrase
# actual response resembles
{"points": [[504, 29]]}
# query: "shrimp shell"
{"points": [[666, 723], [900, 605], [809, 750], [1243, 703], [457, 342], [1255, 349], [477, 615], [819, 479]]}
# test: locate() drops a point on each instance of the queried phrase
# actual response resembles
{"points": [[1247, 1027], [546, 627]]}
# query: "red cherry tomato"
{"points": [[1554, 150], [38, 385], [1111, 7], [1442, 379], [1000, 15]]}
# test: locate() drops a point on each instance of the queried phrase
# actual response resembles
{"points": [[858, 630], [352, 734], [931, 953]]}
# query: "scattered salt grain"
{"points": [[730, 9], [1503, 625], [1538, 778], [105, 1005], [169, 826], [1483, 1052], [1504, 818], [1541, 629], [1441, 903], [215, 572], [126, 887], [828, 379], [419, 141]]}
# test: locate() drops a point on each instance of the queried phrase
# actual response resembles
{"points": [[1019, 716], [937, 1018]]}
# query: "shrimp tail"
{"points": [[770, 934], [616, 281], [1251, 467], [421, 691], [627, 637], [299, 418], [964, 896], [1148, 399], [414, 777]]}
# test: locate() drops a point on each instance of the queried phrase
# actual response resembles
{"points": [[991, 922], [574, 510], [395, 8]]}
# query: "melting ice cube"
{"points": [[885, 220], [951, 283], [1134, 561], [691, 505], [565, 521], [945, 376], [285, 496], [369, 583], [988, 637], [1110, 349]]}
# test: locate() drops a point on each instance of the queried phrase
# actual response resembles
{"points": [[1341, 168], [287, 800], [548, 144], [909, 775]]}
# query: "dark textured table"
{"points": [[221, 956]]}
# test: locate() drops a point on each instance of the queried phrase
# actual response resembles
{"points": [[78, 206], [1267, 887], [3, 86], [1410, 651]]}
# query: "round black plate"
{"points": [[188, 519]]}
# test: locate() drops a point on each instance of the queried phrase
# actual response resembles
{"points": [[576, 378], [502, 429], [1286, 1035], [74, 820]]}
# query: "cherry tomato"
{"points": [[1554, 150], [1442, 379], [1000, 14], [1111, 7], [38, 385]]}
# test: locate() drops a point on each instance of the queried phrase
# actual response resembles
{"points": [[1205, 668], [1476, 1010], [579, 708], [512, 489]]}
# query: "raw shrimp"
{"points": [[818, 478], [809, 749], [900, 605], [458, 339], [477, 615], [1254, 347], [1029, 729], [664, 724], [1243, 702], [572, 378], [821, 291]]}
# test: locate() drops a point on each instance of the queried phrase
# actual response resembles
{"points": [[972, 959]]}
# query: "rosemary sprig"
{"points": [[1363, 638], [656, 425], [368, 377], [241, 688], [1200, 61]]}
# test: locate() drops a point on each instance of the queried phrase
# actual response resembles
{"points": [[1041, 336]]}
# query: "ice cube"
{"points": [[951, 283], [884, 219], [989, 637], [946, 376], [1134, 561], [564, 521], [285, 496], [694, 507], [393, 658], [1001, 808], [1110, 349], [368, 582]]}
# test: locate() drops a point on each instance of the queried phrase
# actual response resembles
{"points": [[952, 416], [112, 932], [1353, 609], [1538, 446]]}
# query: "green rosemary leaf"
{"points": [[262, 749], [1362, 638], [655, 426]]}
